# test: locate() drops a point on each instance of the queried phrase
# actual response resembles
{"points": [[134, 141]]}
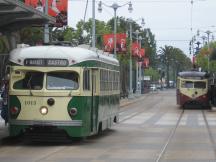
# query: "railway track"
{"points": [[137, 109], [163, 150], [209, 132], [173, 132]]}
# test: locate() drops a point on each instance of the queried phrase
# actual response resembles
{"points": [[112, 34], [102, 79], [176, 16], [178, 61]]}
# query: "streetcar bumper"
{"points": [[72, 128]]}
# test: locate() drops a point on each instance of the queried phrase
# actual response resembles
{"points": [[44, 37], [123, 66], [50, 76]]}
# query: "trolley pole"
{"points": [[208, 34]]}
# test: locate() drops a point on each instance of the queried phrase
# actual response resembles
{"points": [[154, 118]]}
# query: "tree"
{"points": [[166, 55], [149, 44], [205, 55], [4, 50], [154, 74], [174, 58], [31, 35]]}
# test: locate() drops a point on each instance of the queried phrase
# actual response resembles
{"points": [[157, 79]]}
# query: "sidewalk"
{"points": [[127, 101], [3, 129]]}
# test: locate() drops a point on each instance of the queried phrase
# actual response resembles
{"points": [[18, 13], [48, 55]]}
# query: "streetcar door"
{"points": [[94, 101]]}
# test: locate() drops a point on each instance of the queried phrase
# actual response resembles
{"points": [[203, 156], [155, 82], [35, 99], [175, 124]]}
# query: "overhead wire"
{"points": [[86, 8]]}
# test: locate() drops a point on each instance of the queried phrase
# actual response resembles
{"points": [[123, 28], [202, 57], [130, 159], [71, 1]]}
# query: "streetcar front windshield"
{"points": [[201, 85], [32, 80], [196, 84], [62, 81], [187, 84]]}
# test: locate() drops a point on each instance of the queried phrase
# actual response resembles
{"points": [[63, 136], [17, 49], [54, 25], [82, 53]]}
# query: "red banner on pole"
{"points": [[121, 42], [135, 49], [146, 62], [56, 8], [108, 41], [142, 53]]}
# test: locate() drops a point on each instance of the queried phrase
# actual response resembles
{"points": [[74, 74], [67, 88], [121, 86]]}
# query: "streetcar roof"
{"points": [[74, 55], [192, 74]]}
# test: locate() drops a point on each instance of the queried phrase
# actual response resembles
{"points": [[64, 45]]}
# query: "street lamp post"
{"points": [[114, 6], [93, 23], [131, 75], [46, 27], [208, 32], [137, 66], [140, 66], [130, 62]]}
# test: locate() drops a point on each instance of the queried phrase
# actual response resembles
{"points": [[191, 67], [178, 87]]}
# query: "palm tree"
{"points": [[174, 58], [166, 57]]}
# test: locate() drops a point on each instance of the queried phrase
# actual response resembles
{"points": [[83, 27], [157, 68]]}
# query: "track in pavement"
{"points": [[171, 135], [137, 110]]}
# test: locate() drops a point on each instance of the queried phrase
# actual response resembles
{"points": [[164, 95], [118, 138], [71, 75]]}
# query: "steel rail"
{"points": [[211, 137], [163, 150], [141, 110]]}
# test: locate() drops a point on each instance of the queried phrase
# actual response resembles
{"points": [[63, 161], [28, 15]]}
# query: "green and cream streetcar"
{"points": [[68, 89]]}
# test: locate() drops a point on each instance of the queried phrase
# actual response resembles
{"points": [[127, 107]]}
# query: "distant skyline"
{"points": [[169, 20]]}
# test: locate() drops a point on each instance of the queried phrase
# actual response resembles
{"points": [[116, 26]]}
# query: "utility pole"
{"points": [[46, 27], [131, 75], [93, 23]]}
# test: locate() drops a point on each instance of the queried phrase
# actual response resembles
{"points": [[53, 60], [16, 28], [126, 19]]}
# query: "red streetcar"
{"points": [[192, 89]]}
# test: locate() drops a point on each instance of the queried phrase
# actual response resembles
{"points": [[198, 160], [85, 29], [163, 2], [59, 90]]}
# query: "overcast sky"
{"points": [[169, 20]]}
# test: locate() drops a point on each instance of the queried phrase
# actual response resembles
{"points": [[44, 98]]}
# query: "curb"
{"points": [[131, 101]]}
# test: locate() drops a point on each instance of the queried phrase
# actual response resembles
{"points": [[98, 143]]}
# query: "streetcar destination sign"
{"points": [[45, 62]]}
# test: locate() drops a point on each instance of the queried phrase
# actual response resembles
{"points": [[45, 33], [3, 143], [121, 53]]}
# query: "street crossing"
{"points": [[168, 119]]}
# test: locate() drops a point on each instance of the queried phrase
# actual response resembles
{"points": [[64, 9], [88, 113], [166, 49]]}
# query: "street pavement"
{"points": [[144, 134], [127, 101]]}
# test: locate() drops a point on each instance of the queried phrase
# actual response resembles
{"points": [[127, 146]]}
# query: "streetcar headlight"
{"points": [[43, 110], [73, 111]]}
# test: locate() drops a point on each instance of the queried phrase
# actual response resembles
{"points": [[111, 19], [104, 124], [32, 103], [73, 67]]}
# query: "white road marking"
{"points": [[139, 119], [169, 119]]}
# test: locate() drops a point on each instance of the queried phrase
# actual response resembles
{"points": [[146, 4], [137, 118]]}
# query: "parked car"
{"points": [[153, 87], [158, 86]]}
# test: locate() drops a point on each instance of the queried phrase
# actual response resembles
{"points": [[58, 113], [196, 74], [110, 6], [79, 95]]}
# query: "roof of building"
{"points": [[14, 15]]}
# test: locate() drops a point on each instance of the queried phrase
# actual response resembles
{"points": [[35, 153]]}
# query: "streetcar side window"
{"points": [[201, 85], [62, 81], [86, 80], [32, 80], [116, 81], [102, 80]]}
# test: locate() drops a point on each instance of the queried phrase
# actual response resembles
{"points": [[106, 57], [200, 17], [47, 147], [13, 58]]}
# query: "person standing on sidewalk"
{"points": [[4, 95]]}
